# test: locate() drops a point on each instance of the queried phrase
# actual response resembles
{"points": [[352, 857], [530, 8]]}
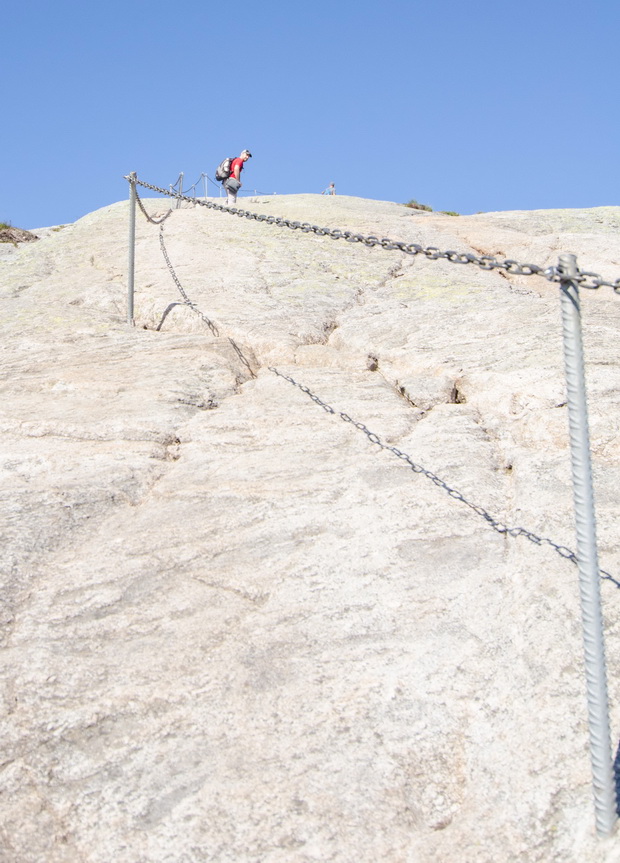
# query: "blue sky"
{"points": [[465, 106]]}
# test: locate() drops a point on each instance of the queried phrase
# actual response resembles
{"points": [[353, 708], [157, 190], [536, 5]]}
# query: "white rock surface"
{"points": [[235, 630]]}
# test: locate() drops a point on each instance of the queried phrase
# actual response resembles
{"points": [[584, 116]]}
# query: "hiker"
{"points": [[330, 190], [232, 183]]}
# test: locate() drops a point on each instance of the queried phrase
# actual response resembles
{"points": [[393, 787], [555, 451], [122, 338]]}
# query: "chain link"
{"points": [[591, 281], [175, 279], [486, 262], [494, 523], [195, 308], [215, 331], [150, 219]]}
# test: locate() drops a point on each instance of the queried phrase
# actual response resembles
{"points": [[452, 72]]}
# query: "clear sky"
{"points": [[464, 106]]}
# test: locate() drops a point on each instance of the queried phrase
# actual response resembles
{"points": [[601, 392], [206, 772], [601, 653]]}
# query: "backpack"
{"points": [[222, 172]]}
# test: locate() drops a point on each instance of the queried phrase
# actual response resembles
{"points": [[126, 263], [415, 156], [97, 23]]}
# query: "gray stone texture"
{"points": [[235, 630]]}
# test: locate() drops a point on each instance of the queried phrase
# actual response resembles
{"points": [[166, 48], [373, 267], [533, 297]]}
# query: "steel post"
{"points": [[180, 181], [204, 179], [132, 247], [587, 557]]}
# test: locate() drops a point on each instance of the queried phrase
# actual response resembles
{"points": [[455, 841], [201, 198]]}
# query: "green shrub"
{"points": [[415, 206], [449, 213]]}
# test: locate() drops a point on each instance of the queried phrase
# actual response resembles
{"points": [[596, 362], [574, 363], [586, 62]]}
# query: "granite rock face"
{"points": [[234, 628]]}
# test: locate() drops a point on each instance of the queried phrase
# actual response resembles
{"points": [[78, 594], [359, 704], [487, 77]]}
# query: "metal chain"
{"points": [[494, 523], [192, 188], [253, 192], [485, 262], [239, 353], [195, 308], [175, 279], [177, 181], [146, 215]]}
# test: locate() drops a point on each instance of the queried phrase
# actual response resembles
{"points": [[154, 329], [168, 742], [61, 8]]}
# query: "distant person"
{"points": [[233, 183], [330, 190]]}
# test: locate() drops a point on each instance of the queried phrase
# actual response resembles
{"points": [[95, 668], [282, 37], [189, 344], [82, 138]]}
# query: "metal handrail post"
{"points": [[132, 247], [587, 557], [204, 179], [180, 189]]}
